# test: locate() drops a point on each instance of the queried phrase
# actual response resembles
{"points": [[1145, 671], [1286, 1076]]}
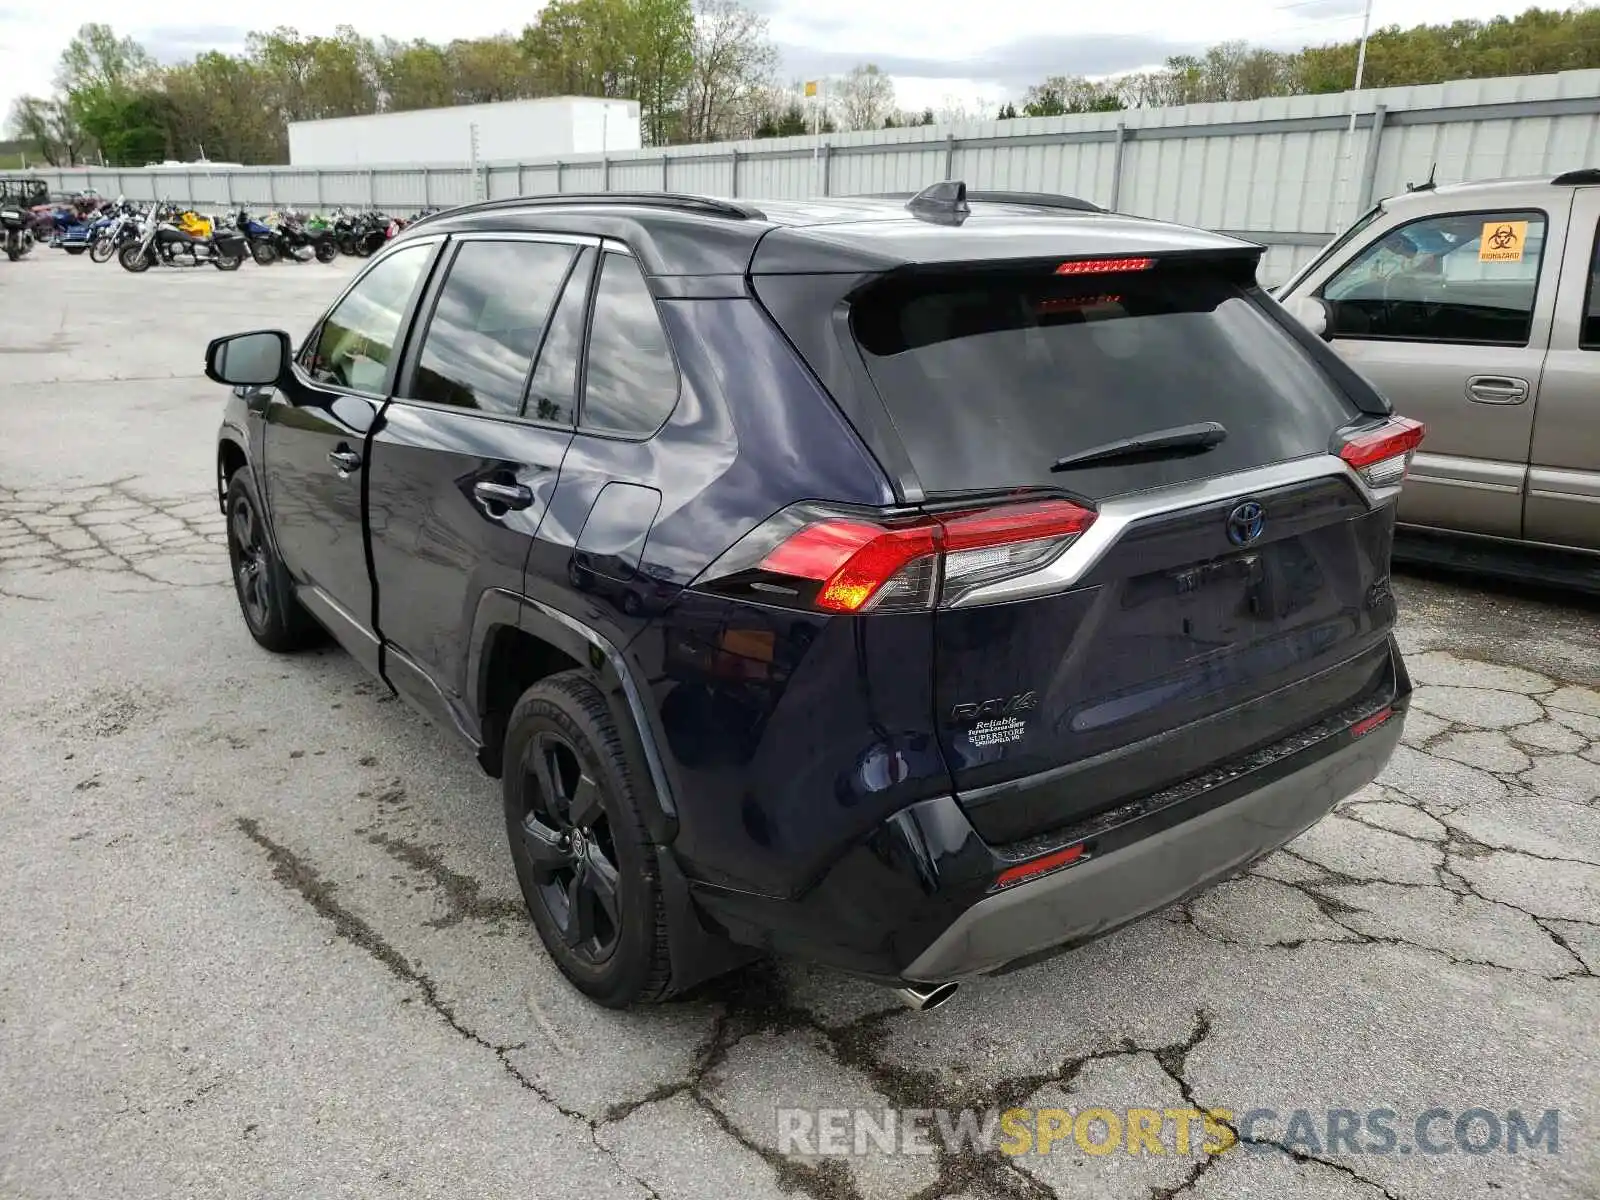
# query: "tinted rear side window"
{"points": [[632, 382], [991, 377]]}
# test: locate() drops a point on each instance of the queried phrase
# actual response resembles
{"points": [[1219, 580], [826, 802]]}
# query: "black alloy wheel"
{"points": [[251, 567], [271, 611], [585, 860], [566, 837]]}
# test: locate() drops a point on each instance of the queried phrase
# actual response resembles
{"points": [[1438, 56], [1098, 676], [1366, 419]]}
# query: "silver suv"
{"points": [[1475, 309]]}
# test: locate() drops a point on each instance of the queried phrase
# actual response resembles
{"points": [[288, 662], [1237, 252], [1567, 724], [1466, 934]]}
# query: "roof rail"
{"points": [[1583, 175], [708, 205]]}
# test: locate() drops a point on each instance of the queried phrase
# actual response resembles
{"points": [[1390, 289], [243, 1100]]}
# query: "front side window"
{"points": [[1467, 277], [358, 338], [632, 381], [487, 324]]}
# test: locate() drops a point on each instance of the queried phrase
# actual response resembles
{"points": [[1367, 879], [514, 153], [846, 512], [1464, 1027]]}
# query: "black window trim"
{"points": [[1590, 294], [1538, 280], [612, 246], [407, 317], [402, 379]]}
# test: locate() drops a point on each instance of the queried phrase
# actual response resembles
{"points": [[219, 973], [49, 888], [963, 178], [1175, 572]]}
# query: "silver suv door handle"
{"points": [[1497, 389], [502, 496], [345, 460]]}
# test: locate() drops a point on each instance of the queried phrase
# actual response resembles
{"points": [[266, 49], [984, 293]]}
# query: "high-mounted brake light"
{"points": [[1381, 456], [811, 557], [1104, 266]]}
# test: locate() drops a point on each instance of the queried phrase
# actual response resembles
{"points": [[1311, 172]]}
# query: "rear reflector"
{"points": [[1042, 865], [811, 557], [1104, 266], [1383, 455], [1368, 724]]}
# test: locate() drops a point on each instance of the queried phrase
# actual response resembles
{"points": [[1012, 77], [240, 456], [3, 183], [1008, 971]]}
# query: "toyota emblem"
{"points": [[1246, 523]]}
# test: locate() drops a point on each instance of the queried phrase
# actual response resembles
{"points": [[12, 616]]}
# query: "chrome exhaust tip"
{"points": [[925, 996]]}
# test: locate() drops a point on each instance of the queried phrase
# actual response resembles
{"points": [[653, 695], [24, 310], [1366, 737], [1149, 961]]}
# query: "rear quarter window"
{"points": [[991, 377]]}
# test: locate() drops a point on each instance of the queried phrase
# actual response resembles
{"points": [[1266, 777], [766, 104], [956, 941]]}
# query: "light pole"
{"points": [[1350, 133]]}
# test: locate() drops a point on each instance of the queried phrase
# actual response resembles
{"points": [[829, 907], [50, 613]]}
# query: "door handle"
{"points": [[1497, 389], [502, 496], [344, 460]]}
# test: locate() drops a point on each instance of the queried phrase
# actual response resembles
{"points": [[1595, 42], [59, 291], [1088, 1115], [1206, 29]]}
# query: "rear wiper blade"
{"points": [[1180, 439]]}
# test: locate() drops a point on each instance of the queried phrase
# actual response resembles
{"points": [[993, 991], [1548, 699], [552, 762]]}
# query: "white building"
{"points": [[512, 130]]}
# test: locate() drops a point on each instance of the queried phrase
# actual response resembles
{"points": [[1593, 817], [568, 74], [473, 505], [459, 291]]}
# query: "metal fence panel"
{"points": [[1286, 170]]}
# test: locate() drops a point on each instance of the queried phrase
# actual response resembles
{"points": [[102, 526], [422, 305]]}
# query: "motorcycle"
{"points": [[163, 244], [16, 229], [114, 232], [286, 238], [259, 236], [360, 234]]}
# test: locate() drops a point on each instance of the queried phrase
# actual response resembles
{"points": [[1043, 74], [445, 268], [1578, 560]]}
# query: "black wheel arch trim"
{"points": [[498, 607]]}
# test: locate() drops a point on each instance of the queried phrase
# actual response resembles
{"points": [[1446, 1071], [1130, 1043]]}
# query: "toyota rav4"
{"points": [[912, 586]]}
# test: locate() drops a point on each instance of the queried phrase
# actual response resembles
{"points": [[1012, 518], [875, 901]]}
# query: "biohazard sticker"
{"points": [[1502, 241]]}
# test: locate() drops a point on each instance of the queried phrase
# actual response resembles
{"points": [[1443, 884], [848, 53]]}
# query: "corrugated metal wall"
{"points": [[1287, 172]]}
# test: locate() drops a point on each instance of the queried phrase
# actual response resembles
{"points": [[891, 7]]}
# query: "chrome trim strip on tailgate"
{"points": [[1114, 517]]}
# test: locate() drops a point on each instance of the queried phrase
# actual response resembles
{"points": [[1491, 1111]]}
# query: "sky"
{"points": [[941, 53]]}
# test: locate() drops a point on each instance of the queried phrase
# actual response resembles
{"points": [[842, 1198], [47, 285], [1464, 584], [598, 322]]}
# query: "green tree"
{"points": [[490, 69], [51, 126], [415, 75]]}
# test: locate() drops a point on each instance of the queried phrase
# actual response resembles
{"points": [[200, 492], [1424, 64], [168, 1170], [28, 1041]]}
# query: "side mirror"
{"points": [[1311, 312], [249, 359]]}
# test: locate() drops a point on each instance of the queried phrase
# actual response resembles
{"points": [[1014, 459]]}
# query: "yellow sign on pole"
{"points": [[1502, 241], [811, 87]]}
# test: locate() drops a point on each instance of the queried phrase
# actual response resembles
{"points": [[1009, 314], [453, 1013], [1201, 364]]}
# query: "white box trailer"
{"points": [[508, 131]]}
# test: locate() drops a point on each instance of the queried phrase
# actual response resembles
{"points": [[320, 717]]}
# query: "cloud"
{"points": [[1014, 65], [174, 43]]}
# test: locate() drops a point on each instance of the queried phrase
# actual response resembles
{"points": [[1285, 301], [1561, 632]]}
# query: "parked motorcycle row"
{"points": [[167, 235]]}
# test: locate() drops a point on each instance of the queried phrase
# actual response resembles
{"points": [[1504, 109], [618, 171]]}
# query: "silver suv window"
{"points": [[1458, 277]]}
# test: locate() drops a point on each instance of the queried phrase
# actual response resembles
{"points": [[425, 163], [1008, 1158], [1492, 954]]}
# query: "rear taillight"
{"points": [[1382, 455], [810, 556]]}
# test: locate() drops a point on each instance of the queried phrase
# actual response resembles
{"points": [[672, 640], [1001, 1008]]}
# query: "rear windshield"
{"points": [[992, 377]]}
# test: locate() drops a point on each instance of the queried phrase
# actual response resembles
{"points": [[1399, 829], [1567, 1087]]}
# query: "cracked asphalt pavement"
{"points": [[260, 936]]}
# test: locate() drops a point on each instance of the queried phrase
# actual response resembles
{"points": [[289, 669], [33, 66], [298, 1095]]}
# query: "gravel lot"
{"points": [[259, 935]]}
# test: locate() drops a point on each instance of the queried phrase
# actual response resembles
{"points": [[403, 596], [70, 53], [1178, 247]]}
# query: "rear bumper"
{"points": [[917, 901], [1153, 872]]}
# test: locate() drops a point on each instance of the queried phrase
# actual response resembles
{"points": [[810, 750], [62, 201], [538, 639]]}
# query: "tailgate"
{"points": [[1177, 651]]}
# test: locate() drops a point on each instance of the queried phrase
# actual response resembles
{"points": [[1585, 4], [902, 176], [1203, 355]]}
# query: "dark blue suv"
{"points": [[912, 586]]}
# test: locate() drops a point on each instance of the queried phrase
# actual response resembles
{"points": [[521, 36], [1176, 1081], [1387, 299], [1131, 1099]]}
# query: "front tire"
{"points": [[326, 251], [263, 253], [103, 250], [260, 581], [227, 262], [133, 258], [583, 857]]}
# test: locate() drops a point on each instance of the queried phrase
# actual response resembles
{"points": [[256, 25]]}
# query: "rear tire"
{"points": [[573, 817], [74, 250], [261, 582]]}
